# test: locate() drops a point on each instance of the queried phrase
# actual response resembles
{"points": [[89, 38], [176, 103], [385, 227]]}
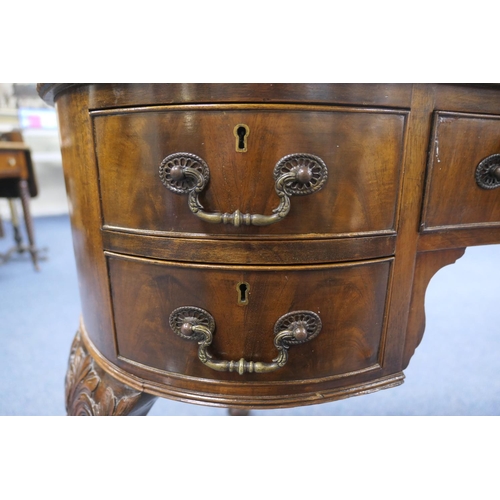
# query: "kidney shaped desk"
{"points": [[265, 245]]}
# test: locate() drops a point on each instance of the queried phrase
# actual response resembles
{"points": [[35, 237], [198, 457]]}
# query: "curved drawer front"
{"points": [[361, 149], [245, 303], [463, 179]]}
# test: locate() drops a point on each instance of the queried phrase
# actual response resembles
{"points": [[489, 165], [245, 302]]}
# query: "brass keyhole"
{"points": [[241, 132], [243, 290]]}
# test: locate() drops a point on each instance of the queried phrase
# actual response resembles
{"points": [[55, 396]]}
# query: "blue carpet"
{"points": [[455, 371]]}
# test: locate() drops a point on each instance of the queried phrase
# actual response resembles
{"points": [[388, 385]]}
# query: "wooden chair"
{"points": [[17, 180]]}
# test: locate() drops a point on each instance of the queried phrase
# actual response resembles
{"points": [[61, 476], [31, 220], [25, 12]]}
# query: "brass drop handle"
{"points": [[295, 174], [488, 172], [193, 323]]}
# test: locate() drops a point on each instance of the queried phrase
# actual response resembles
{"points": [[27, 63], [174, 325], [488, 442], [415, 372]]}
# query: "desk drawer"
{"points": [[13, 164], [361, 150], [465, 153], [348, 299]]}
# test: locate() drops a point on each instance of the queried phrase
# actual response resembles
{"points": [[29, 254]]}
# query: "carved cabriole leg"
{"points": [[427, 265], [15, 226], [90, 391]]}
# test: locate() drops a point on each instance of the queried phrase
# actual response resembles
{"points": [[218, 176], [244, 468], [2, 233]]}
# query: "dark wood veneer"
{"points": [[348, 297], [359, 253]]}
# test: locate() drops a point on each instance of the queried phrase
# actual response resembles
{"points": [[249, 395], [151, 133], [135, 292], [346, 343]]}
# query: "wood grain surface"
{"points": [[400, 202], [459, 143], [362, 150]]}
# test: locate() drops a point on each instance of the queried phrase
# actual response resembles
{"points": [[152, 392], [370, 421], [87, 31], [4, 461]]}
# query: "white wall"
{"points": [[45, 154]]}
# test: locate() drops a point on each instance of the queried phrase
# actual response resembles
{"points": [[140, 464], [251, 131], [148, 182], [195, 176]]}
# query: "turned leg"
{"points": [[90, 391], [16, 227], [25, 197], [238, 412]]}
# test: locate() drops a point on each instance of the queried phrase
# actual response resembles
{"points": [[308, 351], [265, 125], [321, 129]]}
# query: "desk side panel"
{"points": [[80, 174]]}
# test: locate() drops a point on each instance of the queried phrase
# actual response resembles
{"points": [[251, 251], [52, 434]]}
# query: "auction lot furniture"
{"points": [[17, 180], [265, 245]]}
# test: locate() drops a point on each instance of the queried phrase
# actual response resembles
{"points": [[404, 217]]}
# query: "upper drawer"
{"points": [[464, 147], [361, 149]]}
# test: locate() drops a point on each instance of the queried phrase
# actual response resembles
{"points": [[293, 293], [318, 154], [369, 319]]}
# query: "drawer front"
{"points": [[361, 150], [349, 299], [464, 147], [12, 164]]}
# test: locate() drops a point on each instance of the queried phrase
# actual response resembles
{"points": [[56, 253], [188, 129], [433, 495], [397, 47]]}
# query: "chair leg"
{"points": [[25, 197], [90, 391]]}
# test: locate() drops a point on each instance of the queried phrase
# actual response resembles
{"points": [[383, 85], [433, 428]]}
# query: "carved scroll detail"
{"points": [[427, 265], [91, 392]]}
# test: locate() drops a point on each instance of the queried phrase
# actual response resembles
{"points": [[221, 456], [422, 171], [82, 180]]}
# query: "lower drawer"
{"points": [[340, 307]]}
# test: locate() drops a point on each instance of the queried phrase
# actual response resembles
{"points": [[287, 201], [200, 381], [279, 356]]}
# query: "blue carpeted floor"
{"points": [[455, 371]]}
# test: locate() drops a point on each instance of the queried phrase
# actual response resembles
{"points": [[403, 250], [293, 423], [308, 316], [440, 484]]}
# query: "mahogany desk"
{"points": [[265, 246]]}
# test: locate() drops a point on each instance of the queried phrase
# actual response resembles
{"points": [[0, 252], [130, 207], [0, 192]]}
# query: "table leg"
{"points": [[25, 197]]}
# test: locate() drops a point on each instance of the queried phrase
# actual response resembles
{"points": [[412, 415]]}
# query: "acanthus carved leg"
{"points": [[92, 392]]}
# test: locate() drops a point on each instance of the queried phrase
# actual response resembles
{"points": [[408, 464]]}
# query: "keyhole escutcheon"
{"points": [[243, 290], [241, 133]]}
